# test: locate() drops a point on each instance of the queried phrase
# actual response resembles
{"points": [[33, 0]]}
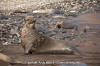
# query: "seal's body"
{"points": [[67, 25], [32, 40], [7, 59]]}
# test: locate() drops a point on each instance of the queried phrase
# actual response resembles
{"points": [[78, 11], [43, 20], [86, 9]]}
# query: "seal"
{"points": [[67, 25], [9, 60], [33, 41]]}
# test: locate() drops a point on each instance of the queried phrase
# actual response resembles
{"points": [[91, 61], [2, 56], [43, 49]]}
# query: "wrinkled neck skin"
{"points": [[30, 25]]}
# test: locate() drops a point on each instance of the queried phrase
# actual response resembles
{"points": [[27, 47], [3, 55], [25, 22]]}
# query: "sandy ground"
{"points": [[88, 44]]}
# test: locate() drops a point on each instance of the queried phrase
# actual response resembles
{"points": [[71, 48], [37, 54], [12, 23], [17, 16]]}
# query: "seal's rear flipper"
{"points": [[9, 60]]}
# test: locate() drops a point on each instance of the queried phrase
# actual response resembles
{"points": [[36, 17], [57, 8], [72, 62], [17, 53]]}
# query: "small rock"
{"points": [[44, 11], [20, 11], [6, 43], [58, 16], [73, 13], [2, 17], [57, 11]]}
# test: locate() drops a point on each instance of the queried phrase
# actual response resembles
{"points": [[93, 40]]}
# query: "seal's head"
{"points": [[30, 22], [59, 25]]}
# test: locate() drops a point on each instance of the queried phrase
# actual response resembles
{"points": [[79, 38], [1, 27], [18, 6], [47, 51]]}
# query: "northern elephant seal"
{"points": [[9, 60], [67, 25], [32, 40]]}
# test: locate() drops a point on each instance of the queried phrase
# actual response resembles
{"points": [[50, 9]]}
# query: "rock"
{"points": [[2, 17], [20, 11], [44, 11], [13, 31], [58, 16], [73, 13], [57, 11], [6, 43]]}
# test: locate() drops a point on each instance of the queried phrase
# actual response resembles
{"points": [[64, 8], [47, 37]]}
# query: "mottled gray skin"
{"points": [[33, 41]]}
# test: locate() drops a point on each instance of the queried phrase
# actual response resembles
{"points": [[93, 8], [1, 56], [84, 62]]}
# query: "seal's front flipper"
{"points": [[28, 48]]}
